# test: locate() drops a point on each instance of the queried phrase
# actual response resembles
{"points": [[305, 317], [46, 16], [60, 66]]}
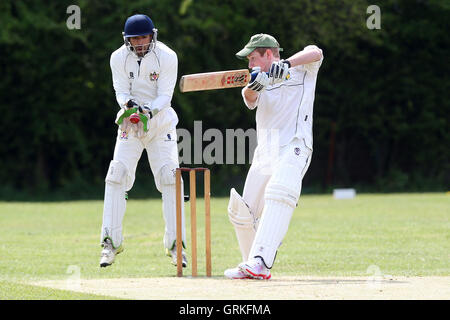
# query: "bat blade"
{"points": [[214, 80]]}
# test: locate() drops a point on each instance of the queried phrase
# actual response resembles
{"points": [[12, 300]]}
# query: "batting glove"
{"points": [[279, 71], [261, 81]]}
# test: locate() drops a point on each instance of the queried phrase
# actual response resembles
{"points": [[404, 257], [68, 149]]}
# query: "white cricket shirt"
{"points": [[285, 110], [155, 76]]}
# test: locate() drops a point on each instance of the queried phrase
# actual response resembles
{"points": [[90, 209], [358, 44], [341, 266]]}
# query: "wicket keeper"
{"points": [[144, 74]]}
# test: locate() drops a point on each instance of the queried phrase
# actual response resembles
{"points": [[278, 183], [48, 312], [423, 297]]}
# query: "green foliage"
{"points": [[386, 90]]}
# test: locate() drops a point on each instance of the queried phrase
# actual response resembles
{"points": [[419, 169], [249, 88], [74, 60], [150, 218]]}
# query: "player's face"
{"points": [[257, 60], [141, 44]]}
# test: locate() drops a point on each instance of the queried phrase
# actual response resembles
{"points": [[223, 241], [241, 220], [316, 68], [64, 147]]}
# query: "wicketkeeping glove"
{"points": [[261, 81], [131, 104], [138, 129], [124, 122], [145, 114], [278, 71], [145, 109]]}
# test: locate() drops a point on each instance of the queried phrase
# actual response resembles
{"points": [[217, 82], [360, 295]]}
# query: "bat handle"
{"points": [[254, 74]]}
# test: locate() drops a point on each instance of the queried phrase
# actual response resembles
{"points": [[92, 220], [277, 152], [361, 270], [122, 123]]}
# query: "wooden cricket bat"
{"points": [[215, 80]]}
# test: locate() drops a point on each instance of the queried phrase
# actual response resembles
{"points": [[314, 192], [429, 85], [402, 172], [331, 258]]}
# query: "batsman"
{"points": [[144, 74], [283, 95]]}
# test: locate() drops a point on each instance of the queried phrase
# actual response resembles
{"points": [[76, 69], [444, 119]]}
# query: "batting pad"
{"points": [[170, 215], [272, 228], [114, 203], [243, 222], [280, 199], [168, 192]]}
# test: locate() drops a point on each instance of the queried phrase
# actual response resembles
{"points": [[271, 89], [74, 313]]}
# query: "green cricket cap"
{"points": [[260, 40]]}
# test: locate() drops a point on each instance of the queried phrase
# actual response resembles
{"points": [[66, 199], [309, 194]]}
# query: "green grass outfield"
{"points": [[396, 234]]}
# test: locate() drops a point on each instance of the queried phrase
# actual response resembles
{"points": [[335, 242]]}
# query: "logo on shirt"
{"points": [[169, 137], [154, 76], [297, 151], [124, 135], [131, 75]]}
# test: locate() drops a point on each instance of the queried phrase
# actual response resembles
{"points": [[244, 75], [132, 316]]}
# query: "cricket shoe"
{"points": [[173, 253], [255, 269], [108, 253], [235, 273]]}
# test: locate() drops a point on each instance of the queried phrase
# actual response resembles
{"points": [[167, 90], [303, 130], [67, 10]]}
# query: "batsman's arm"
{"points": [[308, 55], [250, 97]]}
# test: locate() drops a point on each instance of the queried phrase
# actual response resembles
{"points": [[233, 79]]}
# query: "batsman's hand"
{"points": [[261, 81], [279, 71]]}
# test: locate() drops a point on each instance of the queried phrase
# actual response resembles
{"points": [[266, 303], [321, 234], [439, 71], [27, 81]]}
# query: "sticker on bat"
{"points": [[236, 79]]}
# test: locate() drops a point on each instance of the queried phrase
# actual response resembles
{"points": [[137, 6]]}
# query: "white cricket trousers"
{"points": [[274, 181], [160, 144]]}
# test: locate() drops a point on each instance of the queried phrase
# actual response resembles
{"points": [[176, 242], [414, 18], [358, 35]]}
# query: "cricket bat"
{"points": [[216, 80]]}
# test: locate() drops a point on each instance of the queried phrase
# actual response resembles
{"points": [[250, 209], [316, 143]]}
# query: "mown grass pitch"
{"points": [[391, 234]]}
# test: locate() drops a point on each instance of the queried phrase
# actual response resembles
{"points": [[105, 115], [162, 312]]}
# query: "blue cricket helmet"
{"points": [[138, 25]]}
